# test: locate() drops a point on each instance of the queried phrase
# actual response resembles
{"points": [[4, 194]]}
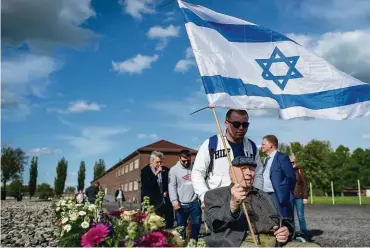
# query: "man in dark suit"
{"points": [[276, 176], [91, 192], [154, 184], [226, 219]]}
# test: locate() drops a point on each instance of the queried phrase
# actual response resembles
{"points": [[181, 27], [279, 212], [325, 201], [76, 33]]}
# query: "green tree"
{"points": [[16, 186], [314, 159], [81, 176], [99, 168], [296, 147], [70, 190], [60, 179], [358, 168], [285, 148], [13, 162], [338, 161], [32, 184], [45, 191]]}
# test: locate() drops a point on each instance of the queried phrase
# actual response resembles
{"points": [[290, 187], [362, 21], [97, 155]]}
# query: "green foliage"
{"points": [[16, 186], [73, 240], [60, 179], [13, 162], [32, 184], [99, 168], [285, 148], [45, 191], [81, 176], [70, 190]]}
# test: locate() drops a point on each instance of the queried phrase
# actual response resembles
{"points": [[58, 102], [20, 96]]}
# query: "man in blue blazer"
{"points": [[276, 176]]}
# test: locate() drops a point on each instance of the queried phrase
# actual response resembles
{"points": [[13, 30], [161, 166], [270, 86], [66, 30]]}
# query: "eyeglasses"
{"points": [[237, 124]]}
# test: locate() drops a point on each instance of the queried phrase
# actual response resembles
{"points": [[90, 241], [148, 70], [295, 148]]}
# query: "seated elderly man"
{"points": [[226, 219]]}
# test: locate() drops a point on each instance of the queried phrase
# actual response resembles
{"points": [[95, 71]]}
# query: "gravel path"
{"points": [[27, 224], [339, 225]]}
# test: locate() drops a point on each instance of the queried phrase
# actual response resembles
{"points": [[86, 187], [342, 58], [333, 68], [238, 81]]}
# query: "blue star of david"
{"points": [[278, 56]]}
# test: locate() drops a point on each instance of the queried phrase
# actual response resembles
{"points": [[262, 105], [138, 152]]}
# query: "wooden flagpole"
{"points": [[232, 170]]}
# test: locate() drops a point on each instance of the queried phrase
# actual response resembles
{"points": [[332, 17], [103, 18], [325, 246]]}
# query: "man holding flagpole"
{"points": [[211, 168]]}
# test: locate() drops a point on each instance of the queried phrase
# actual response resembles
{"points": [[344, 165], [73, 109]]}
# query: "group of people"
{"points": [[90, 193], [210, 186]]}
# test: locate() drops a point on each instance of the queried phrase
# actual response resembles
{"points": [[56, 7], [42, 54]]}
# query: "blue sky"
{"points": [[98, 79]]}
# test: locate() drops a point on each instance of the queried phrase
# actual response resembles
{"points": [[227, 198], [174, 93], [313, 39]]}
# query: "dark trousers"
{"points": [[165, 211], [193, 211], [286, 211]]}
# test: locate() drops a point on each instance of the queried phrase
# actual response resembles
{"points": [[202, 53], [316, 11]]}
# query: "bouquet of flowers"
{"points": [[88, 226]]}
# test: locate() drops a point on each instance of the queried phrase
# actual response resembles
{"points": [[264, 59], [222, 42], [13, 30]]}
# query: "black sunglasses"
{"points": [[237, 124]]}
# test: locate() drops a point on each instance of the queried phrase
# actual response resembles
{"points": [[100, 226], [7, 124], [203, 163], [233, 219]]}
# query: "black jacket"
{"points": [[92, 191], [150, 187], [116, 194]]}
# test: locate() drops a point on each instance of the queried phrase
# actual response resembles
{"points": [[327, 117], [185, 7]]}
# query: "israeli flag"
{"points": [[246, 66]]}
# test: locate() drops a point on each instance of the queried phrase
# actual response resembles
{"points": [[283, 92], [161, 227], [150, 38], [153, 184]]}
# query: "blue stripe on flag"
{"points": [[237, 32], [318, 100]]}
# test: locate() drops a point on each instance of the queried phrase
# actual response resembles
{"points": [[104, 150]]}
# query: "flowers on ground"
{"points": [[88, 225]]}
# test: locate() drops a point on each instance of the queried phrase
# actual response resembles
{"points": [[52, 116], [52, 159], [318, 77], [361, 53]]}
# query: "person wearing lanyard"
{"points": [[154, 184], [182, 195]]}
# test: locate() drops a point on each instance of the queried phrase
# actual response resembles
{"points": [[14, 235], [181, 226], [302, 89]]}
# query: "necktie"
{"points": [[265, 163]]}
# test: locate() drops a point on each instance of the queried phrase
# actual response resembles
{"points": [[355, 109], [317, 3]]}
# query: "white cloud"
{"points": [[135, 65], [147, 136], [42, 151], [163, 34], [94, 141], [136, 8], [348, 51], [78, 107], [337, 13], [24, 75], [43, 23], [184, 65], [366, 136]]}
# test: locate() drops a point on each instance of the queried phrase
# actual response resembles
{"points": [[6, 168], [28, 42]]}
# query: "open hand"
{"points": [[176, 206]]}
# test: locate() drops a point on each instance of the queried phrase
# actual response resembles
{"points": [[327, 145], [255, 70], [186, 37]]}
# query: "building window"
{"points": [[130, 186], [125, 186], [123, 170], [119, 172], [136, 164], [135, 185], [131, 166], [126, 168], [116, 173]]}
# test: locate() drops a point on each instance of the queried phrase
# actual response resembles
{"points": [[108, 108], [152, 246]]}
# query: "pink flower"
{"points": [[141, 217], [154, 239], [95, 235]]}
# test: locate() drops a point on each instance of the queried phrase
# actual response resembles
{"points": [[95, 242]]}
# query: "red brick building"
{"points": [[127, 172]]}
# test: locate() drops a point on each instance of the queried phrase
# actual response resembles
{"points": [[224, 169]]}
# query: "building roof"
{"points": [[161, 145]]}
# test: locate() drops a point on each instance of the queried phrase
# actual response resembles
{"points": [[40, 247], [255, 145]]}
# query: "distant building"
{"points": [[127, 171]]}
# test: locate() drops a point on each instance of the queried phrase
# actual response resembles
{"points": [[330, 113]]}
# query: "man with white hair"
{"points": [[154, 184]]}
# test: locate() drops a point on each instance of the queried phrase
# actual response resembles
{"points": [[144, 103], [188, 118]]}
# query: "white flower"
{"points": [[92, 207], [79, 205], [73, 216], [67, 228], [82, 213], [57, 209], [65, 220], [85, 224]]}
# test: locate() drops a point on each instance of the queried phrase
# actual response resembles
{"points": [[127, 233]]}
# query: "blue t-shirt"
{"points": [[238, 148]]}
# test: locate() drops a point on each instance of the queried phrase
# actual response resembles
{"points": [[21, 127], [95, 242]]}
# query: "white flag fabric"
{"points": [[247, 66]]}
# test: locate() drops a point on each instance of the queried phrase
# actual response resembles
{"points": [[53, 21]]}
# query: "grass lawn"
{"points": [[339, 200]]}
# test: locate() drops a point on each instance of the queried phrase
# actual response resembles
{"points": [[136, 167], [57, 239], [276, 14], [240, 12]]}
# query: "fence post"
{"points": [[359, 191], [311, 193], [332, 191]]}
